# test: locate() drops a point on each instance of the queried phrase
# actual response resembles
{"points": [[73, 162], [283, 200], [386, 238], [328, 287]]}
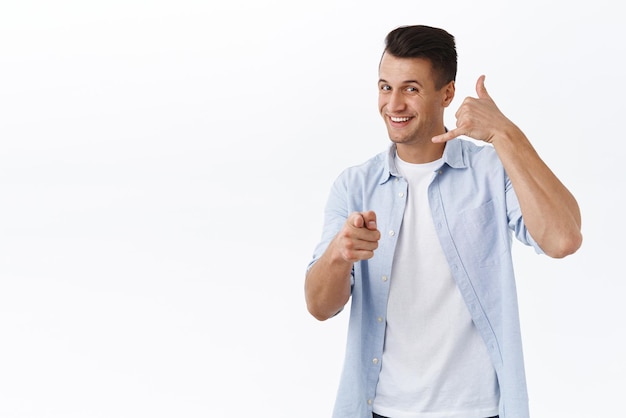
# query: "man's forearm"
{"points": [[327, 286]]}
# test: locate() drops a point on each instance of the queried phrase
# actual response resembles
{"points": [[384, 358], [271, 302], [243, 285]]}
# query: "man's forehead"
{"points": [[404, 69]]}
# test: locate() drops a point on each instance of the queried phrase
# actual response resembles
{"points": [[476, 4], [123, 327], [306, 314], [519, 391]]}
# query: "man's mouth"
{"points": [[399, 119]]}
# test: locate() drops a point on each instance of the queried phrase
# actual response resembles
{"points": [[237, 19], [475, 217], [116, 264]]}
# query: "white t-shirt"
{"points": [[435, 364]]}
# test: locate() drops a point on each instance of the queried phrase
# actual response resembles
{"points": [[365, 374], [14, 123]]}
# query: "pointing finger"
{"points": [[370, 219], [357, 220]]}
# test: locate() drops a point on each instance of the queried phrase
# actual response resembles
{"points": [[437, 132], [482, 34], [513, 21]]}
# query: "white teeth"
{"points": [[399, 119]]}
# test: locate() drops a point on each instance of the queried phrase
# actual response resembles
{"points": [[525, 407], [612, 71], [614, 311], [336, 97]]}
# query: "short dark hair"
{"points": [[433, 44]]}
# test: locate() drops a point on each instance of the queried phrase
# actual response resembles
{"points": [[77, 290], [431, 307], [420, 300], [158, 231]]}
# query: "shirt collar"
{"points": [[452, 156]]}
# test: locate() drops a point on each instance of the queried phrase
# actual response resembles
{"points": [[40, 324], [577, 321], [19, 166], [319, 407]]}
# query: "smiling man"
{"points": [[419, 237]]}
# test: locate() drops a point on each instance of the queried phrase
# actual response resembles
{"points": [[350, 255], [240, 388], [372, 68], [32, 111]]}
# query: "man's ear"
{"points": [[448, 94]]}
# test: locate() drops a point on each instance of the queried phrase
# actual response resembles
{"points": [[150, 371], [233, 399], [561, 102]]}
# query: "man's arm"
{"points": [[327, 283], [550, 211]]}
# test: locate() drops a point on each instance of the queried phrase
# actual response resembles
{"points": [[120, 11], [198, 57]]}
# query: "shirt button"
{"points": [[375, 361], [401, 194], [385, 278], [369, 401], [379, 319], [392, 233]]}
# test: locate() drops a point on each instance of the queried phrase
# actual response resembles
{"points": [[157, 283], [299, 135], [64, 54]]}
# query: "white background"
{"points": [[163, 171]]}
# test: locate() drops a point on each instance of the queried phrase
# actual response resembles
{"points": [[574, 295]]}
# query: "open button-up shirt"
{"points": [[475, 212]]}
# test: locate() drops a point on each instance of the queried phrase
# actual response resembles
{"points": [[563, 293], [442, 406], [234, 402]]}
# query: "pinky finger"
{"points": [[447, 136]]}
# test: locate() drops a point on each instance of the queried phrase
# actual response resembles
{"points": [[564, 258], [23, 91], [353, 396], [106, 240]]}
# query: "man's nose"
{"points": [[396, 102]]}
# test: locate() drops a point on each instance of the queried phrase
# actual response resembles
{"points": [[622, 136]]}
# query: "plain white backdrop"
{"points": [[163, 171]]}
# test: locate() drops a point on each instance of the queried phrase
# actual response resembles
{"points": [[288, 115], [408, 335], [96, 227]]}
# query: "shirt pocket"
{"points": [[484, 236]]}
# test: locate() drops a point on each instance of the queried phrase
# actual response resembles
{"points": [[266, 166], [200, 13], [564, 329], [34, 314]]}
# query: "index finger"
{"points": [[370, 219]]}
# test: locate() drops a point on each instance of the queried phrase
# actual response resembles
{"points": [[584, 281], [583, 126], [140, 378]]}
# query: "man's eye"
{"points": [[411, 89], [385, 87]]}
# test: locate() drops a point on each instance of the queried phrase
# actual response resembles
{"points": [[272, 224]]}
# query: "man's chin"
{"points": [[397, 139], [399, 136]]}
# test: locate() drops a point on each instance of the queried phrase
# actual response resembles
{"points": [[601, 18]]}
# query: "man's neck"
{"points": [[420, 154]]}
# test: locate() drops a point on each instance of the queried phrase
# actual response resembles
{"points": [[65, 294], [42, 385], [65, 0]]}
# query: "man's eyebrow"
{"points": [[404, 82]]}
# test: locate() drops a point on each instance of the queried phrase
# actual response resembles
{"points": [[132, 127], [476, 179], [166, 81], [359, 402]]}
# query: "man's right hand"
{"points": [[358, 238], [327, 284]]}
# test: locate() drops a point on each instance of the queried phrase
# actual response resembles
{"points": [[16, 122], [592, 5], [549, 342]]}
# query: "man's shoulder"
{"points": [[478, 152], [371, 166], [475, 146]]}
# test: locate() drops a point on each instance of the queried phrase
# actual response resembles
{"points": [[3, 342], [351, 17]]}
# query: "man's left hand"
{"points": [[477, 118]]}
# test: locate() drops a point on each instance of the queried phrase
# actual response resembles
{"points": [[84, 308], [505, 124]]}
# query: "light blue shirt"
{"points": [[475, 212]]}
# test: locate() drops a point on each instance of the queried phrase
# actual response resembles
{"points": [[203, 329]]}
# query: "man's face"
{"points": [[408, 101]]}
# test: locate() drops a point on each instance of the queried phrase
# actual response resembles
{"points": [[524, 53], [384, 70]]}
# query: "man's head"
{"points": [[433, 44], [416, 83]]}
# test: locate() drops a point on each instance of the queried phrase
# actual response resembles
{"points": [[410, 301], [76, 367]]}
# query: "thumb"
{"points": [[481, 90]]}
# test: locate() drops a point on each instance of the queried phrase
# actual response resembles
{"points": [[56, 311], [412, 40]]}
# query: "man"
{"points": [[419, 237]]}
